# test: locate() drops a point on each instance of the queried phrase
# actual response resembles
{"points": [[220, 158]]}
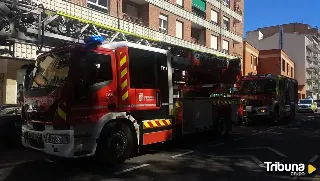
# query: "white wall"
{"points": [[294, 46]]}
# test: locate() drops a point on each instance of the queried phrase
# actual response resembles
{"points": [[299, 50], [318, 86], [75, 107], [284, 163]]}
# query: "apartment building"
{"points": [[215, 24], [275, 61], [301, 43]]}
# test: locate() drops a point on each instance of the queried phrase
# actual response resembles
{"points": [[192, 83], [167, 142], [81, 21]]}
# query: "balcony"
{"points": [[310, 58], [133, 12], [198, 34], [315, 87], [315, 58], [314, 48]]}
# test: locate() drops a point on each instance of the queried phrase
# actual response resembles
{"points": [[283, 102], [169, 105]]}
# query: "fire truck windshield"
{"points": [[257, 86], [51, 69]]}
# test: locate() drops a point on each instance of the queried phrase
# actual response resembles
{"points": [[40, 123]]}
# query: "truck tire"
{"points": [[275, 116], [224, 127], [115, 144]]}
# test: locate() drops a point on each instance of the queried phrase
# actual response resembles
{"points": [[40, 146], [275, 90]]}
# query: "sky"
{"points": [[262, 13]]}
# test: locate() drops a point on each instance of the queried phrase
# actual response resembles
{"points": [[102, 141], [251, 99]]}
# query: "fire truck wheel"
{"points": [[275, 117], [115, 144], [223, 128]]}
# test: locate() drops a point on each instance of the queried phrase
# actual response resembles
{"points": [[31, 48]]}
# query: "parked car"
{"points": [[10, 124], [307, 105]]}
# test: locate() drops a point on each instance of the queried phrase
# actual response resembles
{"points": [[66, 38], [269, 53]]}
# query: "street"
{"points": [[239, 157]]}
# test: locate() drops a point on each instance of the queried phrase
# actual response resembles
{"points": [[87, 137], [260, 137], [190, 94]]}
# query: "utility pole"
{"points": [[281, 37]]}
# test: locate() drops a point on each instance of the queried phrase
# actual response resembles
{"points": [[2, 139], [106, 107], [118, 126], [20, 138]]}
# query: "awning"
{"points": [[200, 4]]}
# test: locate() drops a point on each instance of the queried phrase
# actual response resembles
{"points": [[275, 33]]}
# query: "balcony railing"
{"points": [[313, 47], [133, 19], [197, 41]]}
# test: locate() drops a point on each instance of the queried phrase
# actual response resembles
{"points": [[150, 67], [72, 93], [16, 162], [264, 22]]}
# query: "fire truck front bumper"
{"points": [[52, 142], [252, 112]]}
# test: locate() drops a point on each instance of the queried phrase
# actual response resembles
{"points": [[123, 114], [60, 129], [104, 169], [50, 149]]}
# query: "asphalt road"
{"points": [[239, 157]]}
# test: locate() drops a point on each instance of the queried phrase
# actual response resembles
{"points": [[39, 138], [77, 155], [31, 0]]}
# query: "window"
{"points": [[292, 72], [283, 65], [132, 11], [179, 2], [255, 61], [52, 69], [251, 60], [214, 42], [226, 23], [287, 69], [94, 71], [101, 5], [179, 29], [96, 68], [143, 69], [225, 46], [163, 23], [214, 16]]}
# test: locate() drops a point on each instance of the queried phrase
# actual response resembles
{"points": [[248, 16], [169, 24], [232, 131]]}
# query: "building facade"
{"points": [[212, 26], [250, 59], [215, 24], [301, 43], [275, 61]]}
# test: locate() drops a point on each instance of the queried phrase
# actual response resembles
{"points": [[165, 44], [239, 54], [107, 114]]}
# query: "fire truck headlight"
{"points": [[262, 110], [58, 139]]}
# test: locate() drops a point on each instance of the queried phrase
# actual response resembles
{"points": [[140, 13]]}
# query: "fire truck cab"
{"points": [[268, 96], [108, 99]]}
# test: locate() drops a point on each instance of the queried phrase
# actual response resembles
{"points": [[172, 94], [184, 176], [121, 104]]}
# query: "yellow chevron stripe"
{"points": [[123, 61], [161, 123], [62, 114], [146, 124], [124, 84], [123, 72], [125, 96], [65, 104], [154, 123], [168, 122]]}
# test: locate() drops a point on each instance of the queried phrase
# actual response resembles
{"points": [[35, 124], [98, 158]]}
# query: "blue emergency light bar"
{"points": [[94, 40]]}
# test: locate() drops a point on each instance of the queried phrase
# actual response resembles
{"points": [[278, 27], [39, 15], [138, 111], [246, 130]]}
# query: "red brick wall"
{"points": [[154, 13]]}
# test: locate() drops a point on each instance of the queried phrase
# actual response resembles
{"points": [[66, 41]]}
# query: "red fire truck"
{"points": [[109, 99], [268, 96]]}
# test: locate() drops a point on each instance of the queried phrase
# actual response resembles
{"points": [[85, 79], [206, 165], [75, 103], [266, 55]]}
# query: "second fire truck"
{"points": [[109, 99], [272, 97]]}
